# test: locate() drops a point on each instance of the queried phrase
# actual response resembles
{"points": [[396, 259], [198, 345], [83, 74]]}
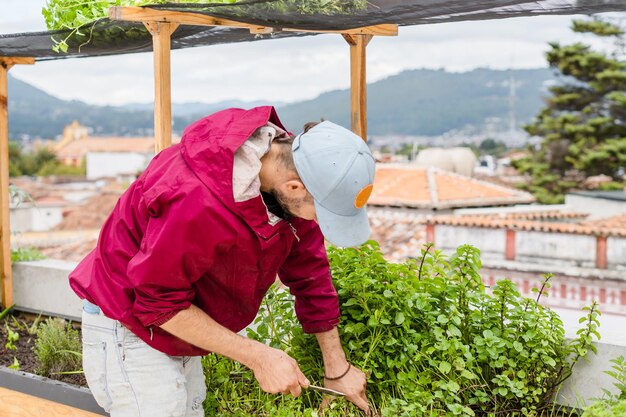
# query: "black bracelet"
{"points": [[340, 376]]}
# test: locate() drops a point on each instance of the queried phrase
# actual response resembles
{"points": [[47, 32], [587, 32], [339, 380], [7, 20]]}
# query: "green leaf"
{"points": [[445, 367]]}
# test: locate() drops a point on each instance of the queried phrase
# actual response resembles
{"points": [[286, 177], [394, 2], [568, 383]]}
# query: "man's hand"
{"points": [[353, 385], [335, 364], [278, 372], [274, 369]]}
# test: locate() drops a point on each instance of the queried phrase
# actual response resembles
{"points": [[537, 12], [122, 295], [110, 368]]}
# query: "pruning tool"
{"points": [[326, 391]]}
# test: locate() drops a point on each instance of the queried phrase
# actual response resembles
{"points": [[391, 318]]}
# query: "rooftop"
{"points": [[611, 226], [433, 188]]}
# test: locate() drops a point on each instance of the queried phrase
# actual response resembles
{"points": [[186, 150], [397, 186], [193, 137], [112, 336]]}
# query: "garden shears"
{"points": [[326, 391]]}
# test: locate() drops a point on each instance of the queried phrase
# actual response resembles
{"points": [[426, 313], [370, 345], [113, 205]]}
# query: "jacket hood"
{"points": [[208, 145]]}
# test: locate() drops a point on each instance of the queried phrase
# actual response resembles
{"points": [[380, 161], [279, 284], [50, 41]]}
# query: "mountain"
{"points": [[416, 102], [35, 113], [198, 109], [433, 102]]}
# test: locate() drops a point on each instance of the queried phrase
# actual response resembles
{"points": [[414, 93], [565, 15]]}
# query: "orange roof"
{"points": [[108, 144], [612, 226], [428, 187], [616, 222]]}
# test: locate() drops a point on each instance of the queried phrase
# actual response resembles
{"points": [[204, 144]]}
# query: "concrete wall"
{"points": [[555, 248], [28, 218], [20, 219], [596, 207], [42, 286], [616, 253], [491, 242], [112, 164], [588, 378]]}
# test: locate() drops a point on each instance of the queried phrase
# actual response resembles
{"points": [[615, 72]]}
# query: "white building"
{"points": [[38, 216], [115, 164]]}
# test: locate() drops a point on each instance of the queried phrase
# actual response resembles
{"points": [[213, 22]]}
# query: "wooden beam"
{"points": [[5, 231], [6, 279], [9, 61], [18, 404], [146, 15], [161, 37], [358, 83], [387, 29]]}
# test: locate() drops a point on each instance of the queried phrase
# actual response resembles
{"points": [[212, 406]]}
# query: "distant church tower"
{"points": [[72, 132]]}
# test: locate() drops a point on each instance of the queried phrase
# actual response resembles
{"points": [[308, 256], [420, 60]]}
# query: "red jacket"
{"points": [[177, 237]]}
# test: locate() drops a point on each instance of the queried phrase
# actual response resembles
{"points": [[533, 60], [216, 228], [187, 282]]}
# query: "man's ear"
{"points": [[293, 189]]}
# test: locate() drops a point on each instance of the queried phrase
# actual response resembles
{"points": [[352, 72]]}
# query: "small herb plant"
{"points": [[58, 348], [15, 365], [613, 404], [12, 338], [432, 339], [26, 254], [618, 373]]}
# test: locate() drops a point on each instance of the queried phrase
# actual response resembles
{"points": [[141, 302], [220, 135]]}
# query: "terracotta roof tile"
{"points": [[614, 226], [616, 222], [421, 187]]}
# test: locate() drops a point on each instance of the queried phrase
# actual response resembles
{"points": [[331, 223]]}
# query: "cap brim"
{"points": [[345, 231]]}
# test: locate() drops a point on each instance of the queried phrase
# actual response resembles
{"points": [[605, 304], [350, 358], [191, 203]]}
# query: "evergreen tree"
{"points": [[583, 125]]}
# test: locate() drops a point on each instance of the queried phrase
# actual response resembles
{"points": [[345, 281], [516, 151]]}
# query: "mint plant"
{"points": [[432, 339]]}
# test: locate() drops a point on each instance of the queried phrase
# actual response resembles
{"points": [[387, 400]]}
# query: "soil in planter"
{"points": [[24, 348]]}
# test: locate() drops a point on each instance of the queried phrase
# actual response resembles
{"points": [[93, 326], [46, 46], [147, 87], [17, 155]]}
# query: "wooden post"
{"points": [[6, 279], [5, 232], [161, 23], [161, 36], [358, 83]]}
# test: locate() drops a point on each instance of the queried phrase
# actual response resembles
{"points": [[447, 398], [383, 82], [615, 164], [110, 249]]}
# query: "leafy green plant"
{"points": [[618, 373], [22, 325], [606, 409], [12, 338], [431, 338], [58, 348], [17, 195], [26, 254], [5, 312], [611, 405], [15, 365], [79, 17]]}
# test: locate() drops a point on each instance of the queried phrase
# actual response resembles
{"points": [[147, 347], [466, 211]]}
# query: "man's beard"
{"points": [[286, 203]]}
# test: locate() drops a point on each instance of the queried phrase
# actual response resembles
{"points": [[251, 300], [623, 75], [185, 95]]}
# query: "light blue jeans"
{"points": [[128, 378]]}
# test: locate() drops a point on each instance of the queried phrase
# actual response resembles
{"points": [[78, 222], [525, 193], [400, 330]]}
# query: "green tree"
{"points": [[42, 162], [583, 125], [15, 160], [409, 150]]}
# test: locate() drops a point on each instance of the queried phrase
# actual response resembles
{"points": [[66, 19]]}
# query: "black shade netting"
{"points": [[106, 37]]}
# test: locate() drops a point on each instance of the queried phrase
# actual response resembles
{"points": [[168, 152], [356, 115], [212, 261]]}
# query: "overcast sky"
{"points": [[286, 69]]}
